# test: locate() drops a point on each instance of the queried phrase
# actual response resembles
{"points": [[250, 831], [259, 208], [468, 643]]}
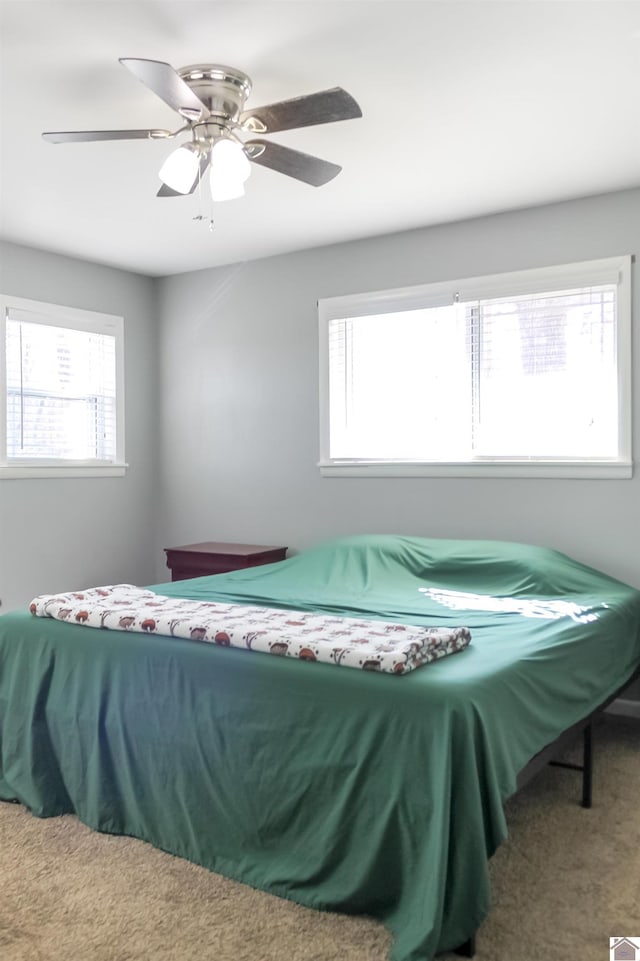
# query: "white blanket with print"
{"points": [[352, 642]]}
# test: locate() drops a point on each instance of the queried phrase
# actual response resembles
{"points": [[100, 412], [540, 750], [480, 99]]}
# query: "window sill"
{"points": [[23, 472], [605, 470]]}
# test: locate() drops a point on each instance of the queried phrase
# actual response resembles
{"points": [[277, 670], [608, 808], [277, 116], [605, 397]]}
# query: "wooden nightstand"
{"points": [[213, 557]]}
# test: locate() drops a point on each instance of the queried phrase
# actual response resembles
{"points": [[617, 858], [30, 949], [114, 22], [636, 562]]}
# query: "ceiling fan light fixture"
{"points": [[230, 168], [210, 99], [228, 159], [180, 169]]}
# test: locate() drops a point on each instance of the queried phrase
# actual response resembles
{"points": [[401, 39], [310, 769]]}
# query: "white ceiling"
{"points": [[469, 107]]}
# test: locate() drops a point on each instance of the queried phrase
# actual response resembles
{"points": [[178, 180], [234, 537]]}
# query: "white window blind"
{"points": [[545, 380], [400, 385], [536, 373], [62, 390]]}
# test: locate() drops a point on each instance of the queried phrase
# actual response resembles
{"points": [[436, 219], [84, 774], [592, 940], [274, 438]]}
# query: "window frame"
{"points": [[71, 318], [536, 280]]}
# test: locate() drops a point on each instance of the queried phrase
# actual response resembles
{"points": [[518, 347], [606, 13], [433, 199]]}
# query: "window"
{"points": [[520, 374], [61, 380]]}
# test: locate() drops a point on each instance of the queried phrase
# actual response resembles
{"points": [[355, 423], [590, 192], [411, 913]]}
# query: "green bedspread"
{"points": [[341, 789]]}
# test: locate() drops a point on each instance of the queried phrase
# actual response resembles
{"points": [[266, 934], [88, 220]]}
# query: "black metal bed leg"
{"points": [[587, 766], [466, 950]]}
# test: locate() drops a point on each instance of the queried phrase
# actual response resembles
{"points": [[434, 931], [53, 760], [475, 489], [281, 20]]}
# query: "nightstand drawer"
{"points": [[214, 557]]}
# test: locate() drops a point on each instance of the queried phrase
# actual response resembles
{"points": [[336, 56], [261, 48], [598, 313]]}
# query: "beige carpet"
{"points": [[565, 882]]}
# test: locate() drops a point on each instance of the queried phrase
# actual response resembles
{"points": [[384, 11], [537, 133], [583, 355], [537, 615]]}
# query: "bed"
{"points": [[342, 789]]}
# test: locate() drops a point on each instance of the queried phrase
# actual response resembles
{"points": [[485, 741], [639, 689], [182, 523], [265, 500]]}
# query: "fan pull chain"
{"points": [[203, 216]]}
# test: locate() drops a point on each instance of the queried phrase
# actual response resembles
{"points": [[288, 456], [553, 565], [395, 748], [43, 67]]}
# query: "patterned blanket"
{"points": [[351, 642]]}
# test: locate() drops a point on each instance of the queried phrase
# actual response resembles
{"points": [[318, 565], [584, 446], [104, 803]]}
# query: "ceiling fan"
{"points": [[210, 98]]}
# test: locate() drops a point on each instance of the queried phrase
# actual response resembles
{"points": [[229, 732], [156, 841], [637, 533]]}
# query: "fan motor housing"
{"points": [[223, 90]]}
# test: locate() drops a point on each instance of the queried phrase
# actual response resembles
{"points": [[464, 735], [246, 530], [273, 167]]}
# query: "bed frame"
{"points": [[549, 756]]}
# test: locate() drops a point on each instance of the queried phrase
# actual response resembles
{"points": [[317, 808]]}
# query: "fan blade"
{"points": [[326, 106], [79, 136], [166, 191], [163, 80], [293, 163]]}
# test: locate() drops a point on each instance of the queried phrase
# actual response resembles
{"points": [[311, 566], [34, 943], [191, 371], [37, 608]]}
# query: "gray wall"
{"points": [[239, 406], [60, 534]]}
